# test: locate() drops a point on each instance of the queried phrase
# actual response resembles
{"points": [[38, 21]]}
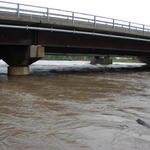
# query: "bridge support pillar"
{"points": [[145, 59], [18, 70], [20, 57], [106, 60]]}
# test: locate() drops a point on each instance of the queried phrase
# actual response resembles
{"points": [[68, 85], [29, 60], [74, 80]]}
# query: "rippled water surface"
{"points": [[67, 107]]}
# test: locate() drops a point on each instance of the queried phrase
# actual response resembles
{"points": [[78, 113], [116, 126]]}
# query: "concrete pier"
{"points": [[18, 70], [105, 60], [20, 57], [145, 59]]}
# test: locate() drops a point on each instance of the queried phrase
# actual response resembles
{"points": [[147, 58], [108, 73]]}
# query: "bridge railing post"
{"points": [[73, 18], [48, 14], [129, 26], [94, 21], [18, 7], [113, 23], [143, 28]]}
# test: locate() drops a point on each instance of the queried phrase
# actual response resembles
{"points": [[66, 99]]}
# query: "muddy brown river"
{"points": [[75, 107]]}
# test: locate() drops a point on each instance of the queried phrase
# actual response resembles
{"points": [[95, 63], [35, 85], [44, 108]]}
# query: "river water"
{"points": [[75, 106]]}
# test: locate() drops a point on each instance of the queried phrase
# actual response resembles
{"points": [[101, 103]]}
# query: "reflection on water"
{"points": [[72, 108]]}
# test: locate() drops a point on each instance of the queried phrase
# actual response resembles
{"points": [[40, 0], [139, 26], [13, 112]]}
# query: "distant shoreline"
{"points": [[88, 58], [2, 63]]}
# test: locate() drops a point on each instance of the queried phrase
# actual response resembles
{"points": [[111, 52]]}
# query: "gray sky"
{"points": [[130, 10]]}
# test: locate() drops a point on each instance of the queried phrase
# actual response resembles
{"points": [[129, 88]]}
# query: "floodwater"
{"points": [[75, 106]]}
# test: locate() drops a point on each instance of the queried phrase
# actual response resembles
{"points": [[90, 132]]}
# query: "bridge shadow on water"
{"points": [[102, 70], [89, 70], [56, 70]]}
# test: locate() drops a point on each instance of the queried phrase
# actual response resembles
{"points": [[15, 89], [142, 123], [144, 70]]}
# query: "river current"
{"points": [[72, 105]]}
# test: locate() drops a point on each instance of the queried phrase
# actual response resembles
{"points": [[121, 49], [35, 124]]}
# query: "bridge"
{"points": [[28, 32]]}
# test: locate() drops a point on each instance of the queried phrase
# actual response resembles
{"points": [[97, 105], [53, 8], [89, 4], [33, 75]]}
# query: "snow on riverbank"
{"points": [[82, 63], [2, 63], [78, 64], [42, 66]]}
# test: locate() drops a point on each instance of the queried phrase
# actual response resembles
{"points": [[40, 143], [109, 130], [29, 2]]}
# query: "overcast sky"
{"points": [[130, 10]]}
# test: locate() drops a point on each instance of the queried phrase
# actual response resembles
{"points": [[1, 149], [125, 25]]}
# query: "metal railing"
{"points": [[74, 17]]}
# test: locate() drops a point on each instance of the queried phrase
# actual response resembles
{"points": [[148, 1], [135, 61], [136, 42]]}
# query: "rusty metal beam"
{"points": [[74, 43]]}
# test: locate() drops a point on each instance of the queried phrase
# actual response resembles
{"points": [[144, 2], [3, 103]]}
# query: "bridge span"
{"points": [[28, 32]]}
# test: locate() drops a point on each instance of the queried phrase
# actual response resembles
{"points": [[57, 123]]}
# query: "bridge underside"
{"points": [[58, 42], [16, 45], [73, 51]]}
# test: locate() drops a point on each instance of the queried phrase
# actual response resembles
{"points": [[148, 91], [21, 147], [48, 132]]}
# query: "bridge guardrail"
{"points": [[48, 13]]}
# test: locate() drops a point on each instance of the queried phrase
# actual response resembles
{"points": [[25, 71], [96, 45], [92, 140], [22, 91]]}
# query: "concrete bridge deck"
{"points": [[27, 31], [21, 14]]}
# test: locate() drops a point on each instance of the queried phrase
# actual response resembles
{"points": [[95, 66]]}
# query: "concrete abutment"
{"points": [[145, 59], [104, 60], [20, 57]]}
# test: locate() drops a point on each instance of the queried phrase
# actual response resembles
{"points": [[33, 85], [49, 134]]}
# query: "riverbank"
{"points": [[89, 58], [53, 66]]}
